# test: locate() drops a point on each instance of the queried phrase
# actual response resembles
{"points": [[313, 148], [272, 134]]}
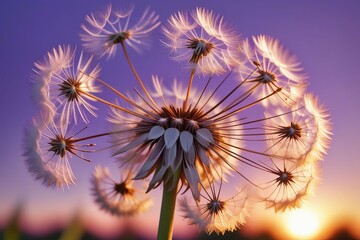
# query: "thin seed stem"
{"points": [[192, 74], [92, 136], [220, 118], [115, 106], [124, 97], [202, 92], [246, 94], [215, 90], [137, 75]]}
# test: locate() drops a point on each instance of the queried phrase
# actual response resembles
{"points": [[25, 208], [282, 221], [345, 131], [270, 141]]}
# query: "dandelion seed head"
{"points": [[66, 90], [217, 215], [266, 77], [123, 189], [69, 88], [104, 31], [48, 149], [274, 67], [46, 153], [60, 145], [174, 139], [122, 198], [290, 186], [292, 132], [303, 134], [201, 48], [201, 39], [215, 206], [118, 37], [285, 177]]}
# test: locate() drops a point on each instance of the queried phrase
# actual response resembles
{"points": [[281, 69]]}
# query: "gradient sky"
{"points": [[324, 35]]}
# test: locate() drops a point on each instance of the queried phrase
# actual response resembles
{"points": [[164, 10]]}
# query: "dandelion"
{"points": [[122, 197], [217, 215], [303, 135], [203, 40], [48, 150], [67, 89], [183, 139], [111, 28], [289, 186], [271, 66], [104, 31], [173, 140]]}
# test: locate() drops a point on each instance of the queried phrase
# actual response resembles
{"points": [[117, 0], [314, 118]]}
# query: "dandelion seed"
{"points": [[48, 150], [203, 40], [274, 68], [104, 31], [122, 197], [67, 89], [216, 215], [302, 135], [289, 186]]}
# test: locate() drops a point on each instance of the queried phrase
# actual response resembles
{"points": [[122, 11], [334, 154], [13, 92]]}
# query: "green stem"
{"points": [[166, 222]]}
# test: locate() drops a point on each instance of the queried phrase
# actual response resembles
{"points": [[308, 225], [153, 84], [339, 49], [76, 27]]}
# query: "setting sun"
{"points": [[302, 223]]}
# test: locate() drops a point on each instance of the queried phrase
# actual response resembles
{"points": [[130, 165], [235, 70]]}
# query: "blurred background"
{"points": [[325, 37]]}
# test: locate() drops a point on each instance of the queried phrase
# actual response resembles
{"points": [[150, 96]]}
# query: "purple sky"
{"points": [[324, 35]]}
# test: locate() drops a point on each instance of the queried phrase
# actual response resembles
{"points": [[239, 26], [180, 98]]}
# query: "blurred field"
{"points": [[75, 230]]}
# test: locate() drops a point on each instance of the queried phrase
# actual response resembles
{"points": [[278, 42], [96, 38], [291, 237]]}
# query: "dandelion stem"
{"points": [[166, 222], [192, 74], [137, 75]]}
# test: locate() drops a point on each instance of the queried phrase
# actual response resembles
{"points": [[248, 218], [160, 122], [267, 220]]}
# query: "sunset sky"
{"points": [[324, 35]]}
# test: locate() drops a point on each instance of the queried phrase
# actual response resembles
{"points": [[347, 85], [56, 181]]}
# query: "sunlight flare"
{"points": [[303, 223]]}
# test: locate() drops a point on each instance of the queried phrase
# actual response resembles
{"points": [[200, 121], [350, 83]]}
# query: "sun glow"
{"points": [[302, 223]]}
